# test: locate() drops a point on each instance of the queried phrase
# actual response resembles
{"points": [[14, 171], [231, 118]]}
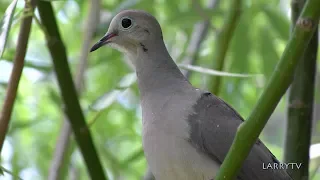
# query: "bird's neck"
{"points": [[157, 72]]}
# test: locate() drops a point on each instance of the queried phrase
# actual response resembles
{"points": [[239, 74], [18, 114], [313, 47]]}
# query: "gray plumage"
{"points": [[187, 132], [215, 118]]}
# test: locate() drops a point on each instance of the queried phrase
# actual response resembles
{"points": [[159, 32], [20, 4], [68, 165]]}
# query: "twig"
{"points": [[9, 172], [212, 4], [29, 64], [74, 173], [133, 157], [18, 64], [223, 40], [300, 107], [277, 86], [59, 163], [69, 94], [216, 73], [60, 160], [199, 32]]}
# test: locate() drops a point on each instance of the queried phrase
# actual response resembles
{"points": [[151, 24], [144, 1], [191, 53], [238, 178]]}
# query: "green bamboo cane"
{"points": [[68, 92], [280, 80], [300, 106]]}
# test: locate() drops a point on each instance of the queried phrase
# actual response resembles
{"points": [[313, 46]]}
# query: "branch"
{"points": [[61, 159], [68, 91], [277, 86], [60, 162], [300, 108], [74, 173], [16, 73], [223, 41], [199, 32]]}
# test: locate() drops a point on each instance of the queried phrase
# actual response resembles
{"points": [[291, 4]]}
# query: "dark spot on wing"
{"points": [[196, 123], [205, 94], [143, 47]]}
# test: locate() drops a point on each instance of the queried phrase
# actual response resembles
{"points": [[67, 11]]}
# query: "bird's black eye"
{"points": [[126, 23]]}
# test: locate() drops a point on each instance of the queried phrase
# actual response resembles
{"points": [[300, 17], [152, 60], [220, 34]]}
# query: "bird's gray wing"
{"points": [[213, 127]]}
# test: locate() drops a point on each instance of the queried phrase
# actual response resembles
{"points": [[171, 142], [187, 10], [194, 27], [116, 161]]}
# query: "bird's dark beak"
{"points": [[104, 40]]}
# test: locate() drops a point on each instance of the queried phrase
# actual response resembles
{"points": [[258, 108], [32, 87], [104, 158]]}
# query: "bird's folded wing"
{"points": [[213, 127]]}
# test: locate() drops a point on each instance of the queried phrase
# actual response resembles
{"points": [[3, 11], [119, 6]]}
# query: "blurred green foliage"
{"points": [[256, 46]]}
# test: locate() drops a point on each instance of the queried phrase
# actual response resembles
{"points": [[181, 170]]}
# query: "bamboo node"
{"points": [[298, 104], [305, 23]]}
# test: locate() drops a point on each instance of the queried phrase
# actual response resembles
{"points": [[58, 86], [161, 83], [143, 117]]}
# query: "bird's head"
{"points": [[131, 30]]}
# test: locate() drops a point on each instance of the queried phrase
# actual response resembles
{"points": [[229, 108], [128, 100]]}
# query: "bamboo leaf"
{"points": [[127, 80], [2, 170], [125, 5], [110, 97], [189, 18], [21, 125], [136, 155], [5, 25], [105, 100], [240, 60], [278, 20], [267, 51]]}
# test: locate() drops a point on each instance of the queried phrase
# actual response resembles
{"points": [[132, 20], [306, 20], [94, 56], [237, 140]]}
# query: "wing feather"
{"points": [[213, 127]]}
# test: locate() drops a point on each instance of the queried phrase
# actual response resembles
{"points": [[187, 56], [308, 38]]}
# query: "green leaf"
{"points": [[5, 25], [127, 80], [107, 99], [189, 18], [239, 61], [2, 170], [136, 155], [267, 50], [278, 20], [125, 5], [21, 125]]}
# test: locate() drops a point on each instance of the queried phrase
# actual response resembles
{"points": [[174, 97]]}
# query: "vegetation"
{"points": [[101, 105]]}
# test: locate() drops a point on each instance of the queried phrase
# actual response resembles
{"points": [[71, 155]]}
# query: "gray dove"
{"points": [[187, 132]]}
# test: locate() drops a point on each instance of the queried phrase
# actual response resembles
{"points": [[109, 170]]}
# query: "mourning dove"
{"points": [[187, 132]]}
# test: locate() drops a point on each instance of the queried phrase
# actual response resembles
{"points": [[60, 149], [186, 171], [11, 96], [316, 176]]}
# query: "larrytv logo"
{"points": [[281, 165]]}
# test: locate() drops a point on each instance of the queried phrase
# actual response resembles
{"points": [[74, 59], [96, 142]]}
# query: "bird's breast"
{"points": [[173, 158], [165, 139]]}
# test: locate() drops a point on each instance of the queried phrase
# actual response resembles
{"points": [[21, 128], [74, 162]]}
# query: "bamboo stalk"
{"points": [[277, 86], [64, 146], [199, 33], [16, 73], [222, 42], [68, 92], [300, 107]]}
